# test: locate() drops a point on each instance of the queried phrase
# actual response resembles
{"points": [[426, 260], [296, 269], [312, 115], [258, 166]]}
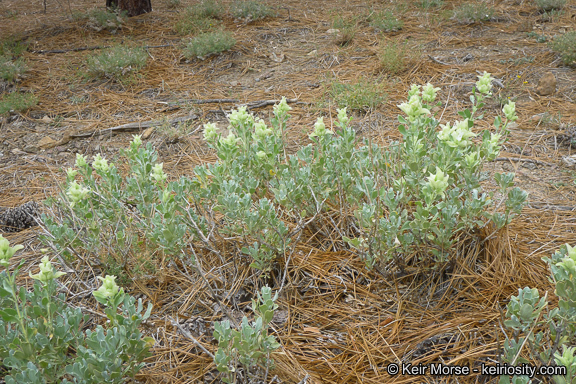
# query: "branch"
{"points": [[92, 49], [522, 159], [189, 336], [135, 126]]}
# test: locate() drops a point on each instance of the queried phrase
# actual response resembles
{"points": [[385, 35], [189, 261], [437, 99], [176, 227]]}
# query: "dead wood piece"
{"points": [[522, 159], [250, 105], [190, 337], [437, 61], [43, 52], [551, 207], [265, 103], [135, 126]]}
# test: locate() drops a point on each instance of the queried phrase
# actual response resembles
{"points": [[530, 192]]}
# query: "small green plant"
{"points": [[174, 132], [545, 334], [11, 14], [395, 57], [12, 47], [187, 25], [549, 5], [518, 61], [251, 10], [100, 19], [117, 62], [11, 69], [385, 21], [105, 19], [17, 102], [427, 4], [347, 28], [208, 44], [207, 9], [552, 16], [250, 346], [565, 45], [172, 4], [363, 95], [539, 38], [202, 17], [473, 12], [41, 337]]}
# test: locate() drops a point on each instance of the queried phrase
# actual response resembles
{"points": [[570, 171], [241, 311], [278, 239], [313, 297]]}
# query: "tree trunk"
{"points": [[132, 7]]}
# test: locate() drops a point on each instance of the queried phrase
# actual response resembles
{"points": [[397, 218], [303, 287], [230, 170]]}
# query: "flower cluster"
{"points": [[510, 111], [80, 161], [6, 251], [230, 141], [261, 131], [76, 193], [100, 164], [157, 172], [343, 118], [240, 117], [429, 93], [136, 141], [457, 136], [108, 289], [282, 108], [438, 182], [47, 272], [320, 129], [414, 108], [484, 84], [210, 133]]}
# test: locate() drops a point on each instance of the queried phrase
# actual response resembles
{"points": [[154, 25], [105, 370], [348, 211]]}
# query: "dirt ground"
{"points": [[337, 322]]}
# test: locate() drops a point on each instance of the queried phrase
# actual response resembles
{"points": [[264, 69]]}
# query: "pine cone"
{"points": [[19, 218]]}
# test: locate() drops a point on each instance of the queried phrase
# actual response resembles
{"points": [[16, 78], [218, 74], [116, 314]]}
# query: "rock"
{"points": [[569, 161], [332, 31], [31, 149], [147, 133], [46, 119], [66, 138], [536, 118], [277, 58], [546, 85], [512, 125], [47, 142]]}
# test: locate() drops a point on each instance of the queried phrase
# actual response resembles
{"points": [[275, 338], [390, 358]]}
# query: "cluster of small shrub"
{"points": [[363, 95], [473, 12], [12, 66], [118, 62], [102, 19]]}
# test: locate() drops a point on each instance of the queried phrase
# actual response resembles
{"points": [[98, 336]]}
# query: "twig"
{"points": [[304, 380], [522, 159], [552, 207], [189, 336], [264, 103], [437, 61], [93, 48], [200, 101], [135, 126], [250, 105]]}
